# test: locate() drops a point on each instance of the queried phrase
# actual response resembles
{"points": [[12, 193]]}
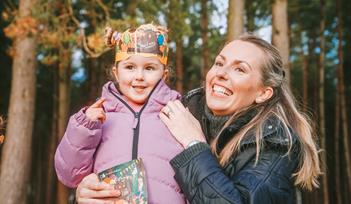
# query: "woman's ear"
{"points": [[264, 95]]}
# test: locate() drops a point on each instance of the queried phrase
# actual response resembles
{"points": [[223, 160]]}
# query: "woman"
{"points": [[261, 146]]}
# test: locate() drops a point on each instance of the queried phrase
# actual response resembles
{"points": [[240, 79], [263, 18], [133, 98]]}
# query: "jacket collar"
{"points": [[273, 130], [158, 98]]}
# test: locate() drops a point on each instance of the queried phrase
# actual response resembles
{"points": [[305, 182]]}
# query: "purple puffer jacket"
{"points": [[90, 146]]}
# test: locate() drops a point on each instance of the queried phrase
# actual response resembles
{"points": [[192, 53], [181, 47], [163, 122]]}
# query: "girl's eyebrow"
{"points": [[151, 63]]}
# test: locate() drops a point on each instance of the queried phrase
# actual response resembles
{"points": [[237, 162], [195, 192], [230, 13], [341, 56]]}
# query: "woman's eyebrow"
{"points": [[242, 62], [236, 61], [221, 56]]}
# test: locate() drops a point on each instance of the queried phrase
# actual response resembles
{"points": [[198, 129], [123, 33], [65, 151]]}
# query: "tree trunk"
{"points": [[321, 103], [314, 58], [235, 19], [305, 81], [337, 147], [63, 108], [280, 29], [16, 154], [344, 119], [51, 180], [176, 23], [250, 15], [204, 36], [179, 65], [93, 78]]}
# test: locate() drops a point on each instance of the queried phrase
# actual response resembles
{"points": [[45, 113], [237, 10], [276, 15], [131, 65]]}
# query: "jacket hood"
{"points": [[159, 97]]}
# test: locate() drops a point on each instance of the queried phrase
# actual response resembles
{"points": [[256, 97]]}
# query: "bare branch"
{"points": [[82, 33], [104, 8]]}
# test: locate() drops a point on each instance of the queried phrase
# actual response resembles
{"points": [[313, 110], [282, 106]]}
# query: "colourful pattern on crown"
{"points": [[147, 40]]}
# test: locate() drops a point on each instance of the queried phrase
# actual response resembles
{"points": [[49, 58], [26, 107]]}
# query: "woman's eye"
{"points": [[220, 64], [239, 69]]}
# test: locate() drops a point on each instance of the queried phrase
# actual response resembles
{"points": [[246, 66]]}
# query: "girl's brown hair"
{"points": [[283, 106]]}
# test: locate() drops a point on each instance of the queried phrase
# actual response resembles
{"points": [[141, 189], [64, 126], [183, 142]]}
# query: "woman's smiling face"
{"points": [[234, 81]]}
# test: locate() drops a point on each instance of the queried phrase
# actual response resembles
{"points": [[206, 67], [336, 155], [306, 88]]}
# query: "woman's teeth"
{"points": [[221, 90]]}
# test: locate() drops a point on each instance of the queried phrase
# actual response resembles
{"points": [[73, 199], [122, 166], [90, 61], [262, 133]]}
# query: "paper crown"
{"points": [[147, 40]]}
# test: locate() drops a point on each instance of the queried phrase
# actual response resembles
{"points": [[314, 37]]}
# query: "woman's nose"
{"points": [[222, 73]]}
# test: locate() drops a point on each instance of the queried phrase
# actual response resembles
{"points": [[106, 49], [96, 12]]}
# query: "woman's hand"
{"points": [[182, 124], [91, 190], [96, 111]]}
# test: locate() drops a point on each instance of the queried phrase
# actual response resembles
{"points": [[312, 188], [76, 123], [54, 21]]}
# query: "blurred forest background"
{"points": [[53, 62]]}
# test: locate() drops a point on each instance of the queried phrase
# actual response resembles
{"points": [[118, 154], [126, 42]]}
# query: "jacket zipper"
{"points": [[136, 123], [136, 135]]}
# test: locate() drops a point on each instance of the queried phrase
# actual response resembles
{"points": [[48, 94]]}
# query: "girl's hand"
{"points": [[182, 124], [91, 190], [96, 111]]}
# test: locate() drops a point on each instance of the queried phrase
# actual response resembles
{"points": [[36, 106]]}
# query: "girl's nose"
{"points": [[139, 75]]}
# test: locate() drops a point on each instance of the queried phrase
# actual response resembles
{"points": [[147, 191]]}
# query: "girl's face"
{"points": [[234, 81], [137, 76]]}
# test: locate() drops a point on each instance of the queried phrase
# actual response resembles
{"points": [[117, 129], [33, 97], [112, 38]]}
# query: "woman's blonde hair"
{"points": [[283, 106], [2, 123]]}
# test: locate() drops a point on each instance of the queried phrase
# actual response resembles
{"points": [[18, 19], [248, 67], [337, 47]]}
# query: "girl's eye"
{"points": [[150, 68], [130, 67]]}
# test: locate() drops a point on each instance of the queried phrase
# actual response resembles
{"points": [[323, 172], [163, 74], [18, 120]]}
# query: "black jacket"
{"points": [[270, 180]]}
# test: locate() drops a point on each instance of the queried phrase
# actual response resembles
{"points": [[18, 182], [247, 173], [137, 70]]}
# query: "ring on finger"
{"points": [[170, 112]]}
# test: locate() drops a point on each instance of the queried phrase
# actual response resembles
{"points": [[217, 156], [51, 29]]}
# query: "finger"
{"points": [[164, 110], [92, 182], [165, 119], [98, 103], [95, 201], [102, 117], [179, 105], [87, 193], [172, 107]]}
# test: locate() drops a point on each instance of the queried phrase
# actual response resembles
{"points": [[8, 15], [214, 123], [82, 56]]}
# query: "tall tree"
{"points": [[321, 101], [250, 15], [235, 19], [176, 23], [280, 29], [337, 147], [16, 155], [341, 84], [63, 109], [51, 181], [204, 36]]}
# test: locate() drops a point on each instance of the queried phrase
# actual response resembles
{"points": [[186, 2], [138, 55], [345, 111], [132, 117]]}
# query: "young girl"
{"points": [[124, 123]]}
